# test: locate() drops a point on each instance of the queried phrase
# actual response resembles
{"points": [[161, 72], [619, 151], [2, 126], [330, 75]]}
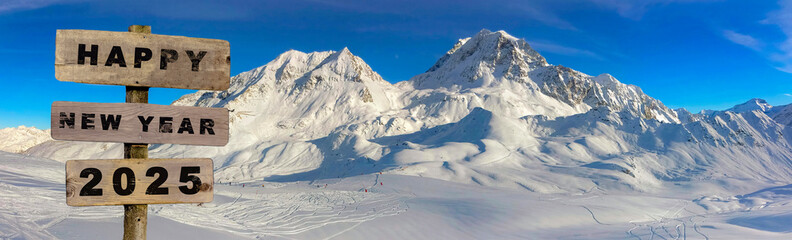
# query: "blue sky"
{"points": [[701, 54]]}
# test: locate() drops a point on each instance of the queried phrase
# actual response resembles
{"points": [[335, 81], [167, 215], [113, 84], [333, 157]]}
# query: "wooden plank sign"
{"points": [[139, 123], [142, 59], [139, 181]]}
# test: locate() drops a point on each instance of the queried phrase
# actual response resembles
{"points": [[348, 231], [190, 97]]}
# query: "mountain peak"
{"points": [[491, 46], [344, 52], [750, 105], [19, 139], [299, 66], [348, 66], [606, 80], [487, 53], [499, 34], [342, 55], [497, 61]]}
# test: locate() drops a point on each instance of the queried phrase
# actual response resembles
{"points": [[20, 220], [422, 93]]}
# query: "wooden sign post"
{"points": [[135, 215], [138, 60]]}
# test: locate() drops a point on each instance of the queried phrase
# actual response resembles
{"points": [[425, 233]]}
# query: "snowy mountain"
{"points": [[491, 112], [782, 114], [502, 69], [491, 142], [19, 139], [750, 105]]}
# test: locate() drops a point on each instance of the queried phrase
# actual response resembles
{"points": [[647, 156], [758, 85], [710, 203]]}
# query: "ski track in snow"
{"points": [[26, 213], [30, 206], [630, 231], [282, 214], [696, 227], [679, 223], [592, 215], [251, 214], [344, 231]]}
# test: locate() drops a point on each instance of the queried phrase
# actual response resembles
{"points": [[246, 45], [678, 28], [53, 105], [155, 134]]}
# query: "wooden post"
{"points": [[136, 215]]}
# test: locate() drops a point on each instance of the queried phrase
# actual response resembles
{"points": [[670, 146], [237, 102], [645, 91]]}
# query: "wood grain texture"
{"points": [[130, 129], [213, 69], [75, 183], [136, 215]]}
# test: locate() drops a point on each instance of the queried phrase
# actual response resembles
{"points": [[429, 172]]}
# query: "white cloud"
{"points": [[628, 9], [778, 53], [7, 6], [743, 39], [785, 67], [563, 50], [787, 94], [783, 19], [635, 9], [535, 10], [539, 13]]}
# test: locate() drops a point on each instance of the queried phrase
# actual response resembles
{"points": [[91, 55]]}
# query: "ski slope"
{"points": [[33, 207]]}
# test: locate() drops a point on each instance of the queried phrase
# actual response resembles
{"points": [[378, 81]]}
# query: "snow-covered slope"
{"points": [[392, 206], [306, 93], [782, 114], [19, 139]]}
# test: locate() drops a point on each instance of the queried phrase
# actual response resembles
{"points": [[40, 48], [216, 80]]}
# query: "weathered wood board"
{"points": [[139, 123], [141, 59], [139, 181]]}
